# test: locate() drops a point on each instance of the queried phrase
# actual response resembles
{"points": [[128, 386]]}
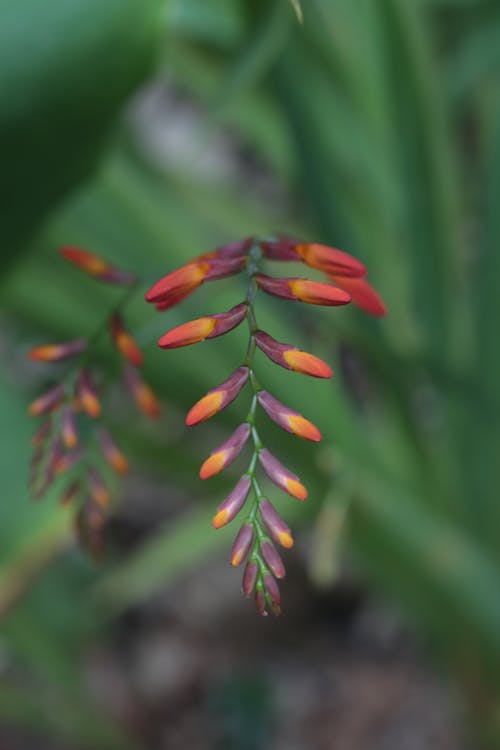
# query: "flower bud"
{"points": [[288, 419], [49, 401], [272, 558], [142, 393], [226, 453], [112, 453], [273, 594], [70, 492], [249, 577], [233, 503], [330, 260], [291, 358], [124, 342], [281, 476], [68, 428], [208, 327], [282, 249], [242, 544], [57, 352], [218, 398], [65, 462], [97, 267], [179, 283], [313, 292], [260, 602], [42, 433], [363, 295], [275, 524], [98, 490], [87, 395]]}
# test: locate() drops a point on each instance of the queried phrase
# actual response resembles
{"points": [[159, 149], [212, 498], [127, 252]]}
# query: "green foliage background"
{"points": [[381, 123]]}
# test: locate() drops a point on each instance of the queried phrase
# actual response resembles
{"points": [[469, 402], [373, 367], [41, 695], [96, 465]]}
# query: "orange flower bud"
{"points": [[242, 544], [97, 267], [291, 358], [281, 476], [124, 341], [312, 292], [288, 419], [181, 282], [200, 329], [226, 453], [142, 393], [87, 396], [49, 401], [330, 260], [57, 352], [112, 453], [362, 293], [218, 398]]}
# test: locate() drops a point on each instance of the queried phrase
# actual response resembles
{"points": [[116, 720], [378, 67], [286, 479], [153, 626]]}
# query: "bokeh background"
{"points": [[151, 131]]}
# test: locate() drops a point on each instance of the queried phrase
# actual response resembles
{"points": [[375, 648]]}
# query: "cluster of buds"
{"points": [[262, 526], [64, 444]]}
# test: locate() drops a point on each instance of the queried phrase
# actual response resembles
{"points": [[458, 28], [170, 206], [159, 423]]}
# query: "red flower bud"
{"points": [[124, 342], [233, 503], [313, 292], [226, 453], [57, 352], [208, 327], [242, 544], [97, 267], [288, 419], [218, 398], [281, 476], [362, 293], [179, 283], [291, 358], [277, 527]]}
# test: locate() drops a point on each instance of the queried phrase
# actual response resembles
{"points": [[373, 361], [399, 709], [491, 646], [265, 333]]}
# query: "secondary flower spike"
{"points": [[291, 358], [226, 453], [302, 290], [218, 398], [57, 352], [97, 267], [200, 329], [288, 419]]}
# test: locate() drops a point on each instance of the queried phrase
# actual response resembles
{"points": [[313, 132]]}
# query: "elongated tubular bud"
{"points": [[57, 352], [291, 358], [226, 453], [66, 461], [260, 601], [112, 453], [218, 398], [302, 290], [42, 433], [56, 457], [275, 524], [47, 402], [181, 282], [272, 558], [97, 267], [124, 342], [208, 327], [288, 419], [172, 301], [233, 503], [362, 293], [236, 249], [273, 594], [70, 492], [330, 260], [249, 577], [242, 544], [282, 249], [224, 267], [68, 428], [281, 476], [98, 490], [142, 393], [87, 395]]}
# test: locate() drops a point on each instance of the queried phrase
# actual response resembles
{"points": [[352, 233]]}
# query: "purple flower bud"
{"points": [[242, 544], [273, 559], [249, 577], [48, 401], [226, 453], [281, 476], [232, 504], [273, 592], [260, 602], [277, 527]]}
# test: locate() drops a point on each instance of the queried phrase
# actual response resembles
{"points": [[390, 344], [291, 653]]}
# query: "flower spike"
{"points": [[218, 398], [291, 358]]}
